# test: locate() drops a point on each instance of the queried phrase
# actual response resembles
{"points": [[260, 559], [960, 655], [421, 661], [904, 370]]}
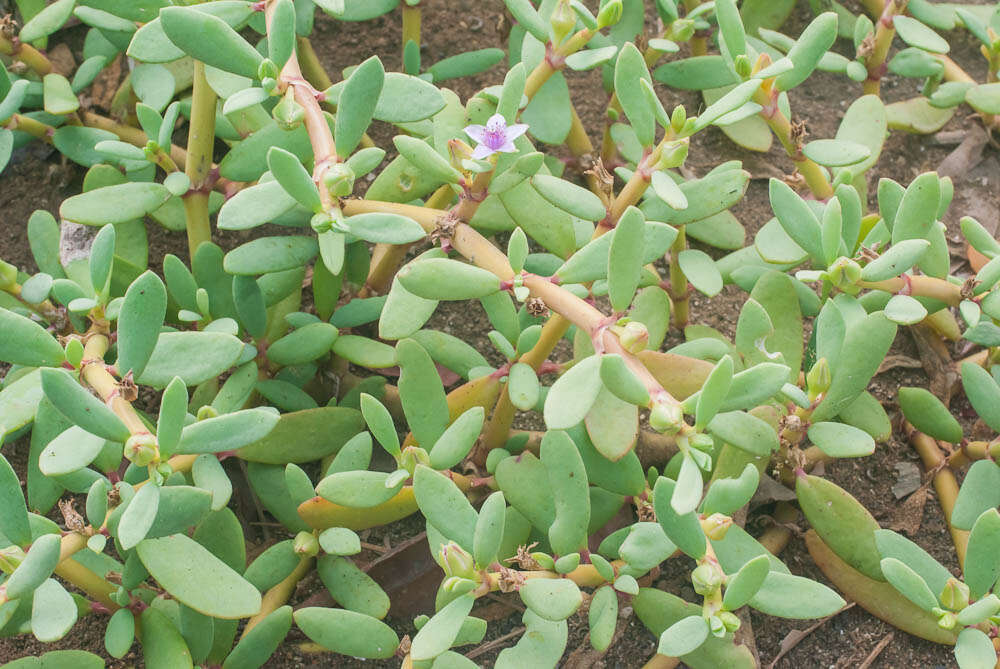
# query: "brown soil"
{"points": [[37, 178]]}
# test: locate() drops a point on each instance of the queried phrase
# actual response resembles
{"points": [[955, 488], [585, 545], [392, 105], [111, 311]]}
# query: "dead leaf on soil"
{"points": [[770, 490], [894, 361], [793, 638], [966, 155], [937, 362], [62, 59], [879, 647], [907, 479], [103, 89], [908, 515]]}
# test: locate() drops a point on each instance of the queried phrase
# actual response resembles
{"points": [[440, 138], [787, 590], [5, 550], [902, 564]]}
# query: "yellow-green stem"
{"points": [[386, 258], [33, 127], [411, 27], [497, 431], [27, 54], [945, 484], [884, 33], [278, 595], [96, 587], [919, 286], [678, 282], [813, 174], [699, 44], [201, 144]]}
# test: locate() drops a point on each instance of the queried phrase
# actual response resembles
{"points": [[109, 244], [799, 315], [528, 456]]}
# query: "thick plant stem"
{"points": [[699, 43], [661, 662], [27, 54], [498, 429], [579, 144], [555, 60], [678, 282], [776, 537], [586, 575], [201, 144], [782, 128], [884, 33], [386, 258], [135, 137], [919, 286], [56, 316], [324, 150], [279, 595], [33, 127], [96, 375], [945, 484], [98, 588], [411, 28]]}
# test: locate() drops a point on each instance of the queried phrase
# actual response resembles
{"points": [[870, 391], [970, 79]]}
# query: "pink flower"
{"points": [[495, 136]]}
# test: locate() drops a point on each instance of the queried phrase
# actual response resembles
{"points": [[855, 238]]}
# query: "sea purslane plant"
{"points": [[144, 393]]}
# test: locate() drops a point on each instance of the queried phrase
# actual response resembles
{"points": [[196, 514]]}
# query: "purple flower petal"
{"points": [[496, 123], [482, 151], [476, 132], [507, 147], [516, 130]]}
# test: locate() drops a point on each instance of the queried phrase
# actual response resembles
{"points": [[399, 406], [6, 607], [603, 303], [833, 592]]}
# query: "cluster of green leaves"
{"points": [[241, 355]]}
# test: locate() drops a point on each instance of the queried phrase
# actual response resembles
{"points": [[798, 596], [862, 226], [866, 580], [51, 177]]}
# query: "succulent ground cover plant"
{"points": [[270, 361]]}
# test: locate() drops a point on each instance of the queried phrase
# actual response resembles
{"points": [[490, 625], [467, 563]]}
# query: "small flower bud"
{"points": [[716, 526], [701, 442], [121, 596], [151, 149], [269, 84], [955, 595], [716, 626], [141, 449], [674, 154], [705, 579], [947, 621], [678, 118], [339, 180], [8, 275], [666, 418], [844, 273], [164, 469], [267, 70], [458, 586], [288, 113], [563, 21], [321, 222], [681, 30], [306, 544], [743, 66], [852, 272], [730, 620], [10, 558], [456, 561], [612, 115], [206, 412], [634, 337], [994, 450], [610, 14], [413, 456], [819, 378]]}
